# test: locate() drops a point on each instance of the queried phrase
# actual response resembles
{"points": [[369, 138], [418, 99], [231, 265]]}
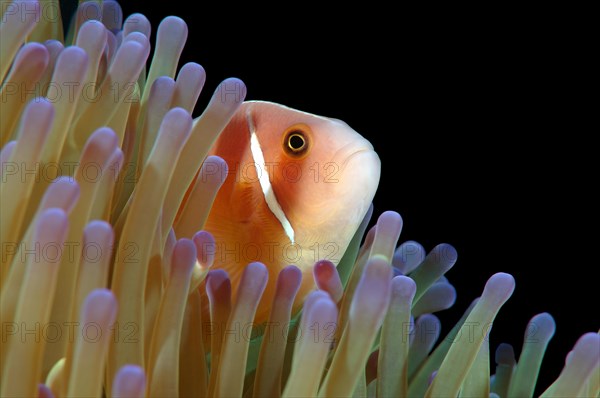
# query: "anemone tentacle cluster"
{"points": [[99, 297]]}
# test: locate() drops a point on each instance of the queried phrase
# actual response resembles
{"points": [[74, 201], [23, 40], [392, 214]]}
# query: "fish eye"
{"points": [[296, 141]]}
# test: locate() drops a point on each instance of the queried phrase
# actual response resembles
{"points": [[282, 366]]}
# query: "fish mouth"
{"points": [[360, 173], [360, 153]]}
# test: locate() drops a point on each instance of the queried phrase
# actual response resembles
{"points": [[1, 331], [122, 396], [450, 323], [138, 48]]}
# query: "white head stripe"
{"points": [[265, 183]]}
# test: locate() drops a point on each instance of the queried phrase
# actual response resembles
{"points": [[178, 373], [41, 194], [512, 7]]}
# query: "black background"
{"points": [[480, 118]]}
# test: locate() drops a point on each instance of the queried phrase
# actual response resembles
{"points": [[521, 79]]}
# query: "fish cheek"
{"points": [[291, 185]]}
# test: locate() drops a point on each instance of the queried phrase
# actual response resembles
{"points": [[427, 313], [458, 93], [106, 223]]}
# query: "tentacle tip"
{"points": [[233, 90], [173, 20], [404, 286], [53, 218], [323, 269], [505, 354], [502, 284], [44, 391], [99, 226], [542, 326], [130, 381], [448, 252], [184, 254], [257, 270], [106, 137], [100, 306], [65, 180], [291, 272]]}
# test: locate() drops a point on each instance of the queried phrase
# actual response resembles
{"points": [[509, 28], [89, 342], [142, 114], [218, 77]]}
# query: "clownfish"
{"points": [[297, 187]]}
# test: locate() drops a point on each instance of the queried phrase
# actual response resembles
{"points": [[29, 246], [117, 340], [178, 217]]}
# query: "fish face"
{"points": [[298, 187], [323, 174]]}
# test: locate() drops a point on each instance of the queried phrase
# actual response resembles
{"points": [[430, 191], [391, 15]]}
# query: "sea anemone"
{"points": [[100, 297]]}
